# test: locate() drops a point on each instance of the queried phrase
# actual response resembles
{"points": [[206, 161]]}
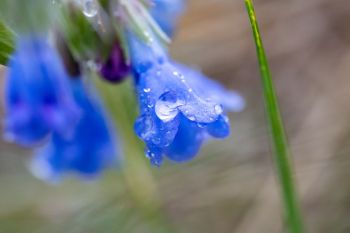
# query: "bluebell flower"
{"points": [[38, 99], [179, 107], [167, 13], [91, 148]]}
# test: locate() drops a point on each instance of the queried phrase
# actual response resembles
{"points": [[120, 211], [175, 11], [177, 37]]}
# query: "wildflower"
{"points": [[91, 147], [38, 99], [115, 69], [167, 13], [176, 113]]}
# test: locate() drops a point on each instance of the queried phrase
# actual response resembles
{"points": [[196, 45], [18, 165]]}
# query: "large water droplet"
{"points": [[167, 106], [90, 8]]}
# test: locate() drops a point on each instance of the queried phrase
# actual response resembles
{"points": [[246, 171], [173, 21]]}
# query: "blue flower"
{"points": [[38, 99], [167, 13], [179, 107], [91, 148]]}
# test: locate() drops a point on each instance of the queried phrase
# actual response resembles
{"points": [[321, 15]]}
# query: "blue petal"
{"points": [[208, 88], [187, 141], [91, 147], [167, 13], [219, 128], [38, 100]]}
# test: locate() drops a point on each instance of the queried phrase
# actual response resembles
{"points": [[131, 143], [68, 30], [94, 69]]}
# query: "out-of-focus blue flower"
{"points": [[38, 98], [179, 107], [91, 147], [167, 13]]}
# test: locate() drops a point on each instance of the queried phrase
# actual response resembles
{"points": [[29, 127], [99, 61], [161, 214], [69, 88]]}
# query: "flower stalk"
{"points": [[280, 144]]}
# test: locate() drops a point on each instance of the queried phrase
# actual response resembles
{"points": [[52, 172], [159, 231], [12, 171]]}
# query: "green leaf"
{"points": [[7, 44], [280, 144]]}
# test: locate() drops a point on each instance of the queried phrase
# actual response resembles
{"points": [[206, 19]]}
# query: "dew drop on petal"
{"points": [[156, 140], [218, 109], [191, 117], [167, 106], [147, 90], [200, 125], [143, 127], [154, 158]]}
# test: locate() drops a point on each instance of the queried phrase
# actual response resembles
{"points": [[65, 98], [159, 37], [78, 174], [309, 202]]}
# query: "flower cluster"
{"points": [[60, 114]]}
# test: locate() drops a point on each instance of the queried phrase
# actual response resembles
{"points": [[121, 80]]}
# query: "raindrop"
{"points": [[147, 90], [191, 117], [143, 127], [156, 140], [90, 8], [218, 109], [167, 106]]}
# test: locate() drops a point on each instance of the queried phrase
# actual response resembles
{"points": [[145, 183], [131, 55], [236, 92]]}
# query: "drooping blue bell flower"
{"points": [[91, 148], [38, 99], [177, 113], [167, 13]]}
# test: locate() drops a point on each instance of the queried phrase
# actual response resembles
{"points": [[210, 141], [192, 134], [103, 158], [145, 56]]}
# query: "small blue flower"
{"points": [[91, 148], [179, 107], [38, 99], [167, 13]]}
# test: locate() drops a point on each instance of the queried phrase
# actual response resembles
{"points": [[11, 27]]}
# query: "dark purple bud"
{"points": [[115, 68]]}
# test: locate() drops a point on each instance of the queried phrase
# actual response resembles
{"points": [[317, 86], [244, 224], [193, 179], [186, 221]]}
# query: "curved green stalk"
{"points": [[280, 144]]}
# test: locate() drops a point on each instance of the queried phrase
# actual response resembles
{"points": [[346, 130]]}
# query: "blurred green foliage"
{"points": [[6, 43]]}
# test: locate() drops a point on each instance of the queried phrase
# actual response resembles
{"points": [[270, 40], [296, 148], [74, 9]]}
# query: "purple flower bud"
{"points": [[115, 68]]}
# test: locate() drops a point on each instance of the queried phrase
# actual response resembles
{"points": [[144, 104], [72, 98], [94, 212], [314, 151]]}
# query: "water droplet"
{"points": [[90, 8], [155, 158], [167, 106], [147, 90], [191, 117], [92, 65], [148, 36], [156, 140], [218, 109], [143, 127]]}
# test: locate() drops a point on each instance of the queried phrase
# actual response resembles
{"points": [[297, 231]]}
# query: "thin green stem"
{"points": [[281, 152]]}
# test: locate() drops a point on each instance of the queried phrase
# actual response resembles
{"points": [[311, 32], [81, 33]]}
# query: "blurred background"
{"points": [[230, 187]]}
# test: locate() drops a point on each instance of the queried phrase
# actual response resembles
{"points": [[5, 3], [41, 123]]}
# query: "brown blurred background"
{"points": [[230, 187]]}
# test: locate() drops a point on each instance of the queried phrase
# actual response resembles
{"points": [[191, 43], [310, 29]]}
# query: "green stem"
{"points": [[280, 144], [138, 177]]}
